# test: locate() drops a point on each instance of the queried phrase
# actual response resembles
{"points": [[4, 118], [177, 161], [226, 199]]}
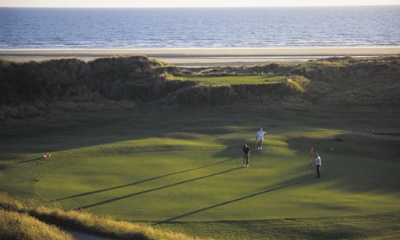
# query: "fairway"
{"points": [[188, 167]]}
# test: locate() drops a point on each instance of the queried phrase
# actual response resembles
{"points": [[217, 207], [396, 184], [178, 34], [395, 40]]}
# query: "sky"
{"points": [[188, 3]]}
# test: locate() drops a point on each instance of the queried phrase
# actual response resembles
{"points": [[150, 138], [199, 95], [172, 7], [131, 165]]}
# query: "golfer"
{"points": [[246, 151], [260, 138], [318, 165]]}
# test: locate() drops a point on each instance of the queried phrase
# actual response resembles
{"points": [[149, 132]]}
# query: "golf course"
{"points": [[175, 163]]}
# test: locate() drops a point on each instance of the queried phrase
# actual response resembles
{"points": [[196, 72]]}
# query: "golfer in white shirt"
{"points": [[318, 165], [260, 138]]}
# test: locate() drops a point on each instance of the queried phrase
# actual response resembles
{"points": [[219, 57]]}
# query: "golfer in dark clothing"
{"points": [[246, 151]]}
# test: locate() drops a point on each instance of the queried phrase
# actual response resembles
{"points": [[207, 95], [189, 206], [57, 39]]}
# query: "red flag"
{"points": [[312, 151]]}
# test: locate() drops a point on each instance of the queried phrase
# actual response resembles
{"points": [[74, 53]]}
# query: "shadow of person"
{"points": [[30, 160]]}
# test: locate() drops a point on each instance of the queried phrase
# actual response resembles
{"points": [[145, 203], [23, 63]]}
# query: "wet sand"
{"points": [[203, 57]]}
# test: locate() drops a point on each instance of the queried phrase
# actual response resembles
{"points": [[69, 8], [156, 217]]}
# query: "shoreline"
{"points": [[186, 57]]}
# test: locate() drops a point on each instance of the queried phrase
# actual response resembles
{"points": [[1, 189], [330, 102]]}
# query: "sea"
{"points": [[148, 28]]}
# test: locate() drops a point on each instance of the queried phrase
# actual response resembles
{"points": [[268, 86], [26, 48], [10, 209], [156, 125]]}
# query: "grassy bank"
{"points": [[21, 226], [31, 221]]}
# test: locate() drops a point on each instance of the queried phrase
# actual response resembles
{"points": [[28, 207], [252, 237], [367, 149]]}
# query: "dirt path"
{"points": [[85, 236]]}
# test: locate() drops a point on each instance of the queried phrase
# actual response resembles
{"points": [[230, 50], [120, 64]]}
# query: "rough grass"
{"points": [[20, 221], [298, 83], [15, 225]]}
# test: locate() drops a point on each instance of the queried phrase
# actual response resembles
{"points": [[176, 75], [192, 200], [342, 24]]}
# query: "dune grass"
{"points": [[21, 226], [21, 221], [181, 169]]}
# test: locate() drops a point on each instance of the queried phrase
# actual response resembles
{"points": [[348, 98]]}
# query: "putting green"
{"points": [[180, 182]]}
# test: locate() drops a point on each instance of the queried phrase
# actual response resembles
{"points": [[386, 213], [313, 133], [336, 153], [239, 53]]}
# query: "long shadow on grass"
{"points": [[158, 188], [30, 160], [232, 201], [139, 182]]}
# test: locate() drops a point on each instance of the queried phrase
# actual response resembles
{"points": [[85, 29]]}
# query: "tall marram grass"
{"points": [[297, 83], [33, 215], [19, 226]]}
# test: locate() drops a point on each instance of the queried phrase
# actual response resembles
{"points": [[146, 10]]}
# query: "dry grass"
{"points": [[298, 83], [19, 226], [28, 226]]}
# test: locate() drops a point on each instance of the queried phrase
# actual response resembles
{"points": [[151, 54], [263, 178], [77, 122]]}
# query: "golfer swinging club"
{"points": [[260, 138]]}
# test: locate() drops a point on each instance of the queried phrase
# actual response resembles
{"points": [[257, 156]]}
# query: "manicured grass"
{"points": [[234, 80], [382, 226], [181, 168]]}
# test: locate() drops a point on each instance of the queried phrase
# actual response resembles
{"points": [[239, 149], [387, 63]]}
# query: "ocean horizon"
{"points": [[204, 28]]}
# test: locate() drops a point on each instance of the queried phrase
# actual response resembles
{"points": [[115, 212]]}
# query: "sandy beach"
{"points": [[203, 57]]}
